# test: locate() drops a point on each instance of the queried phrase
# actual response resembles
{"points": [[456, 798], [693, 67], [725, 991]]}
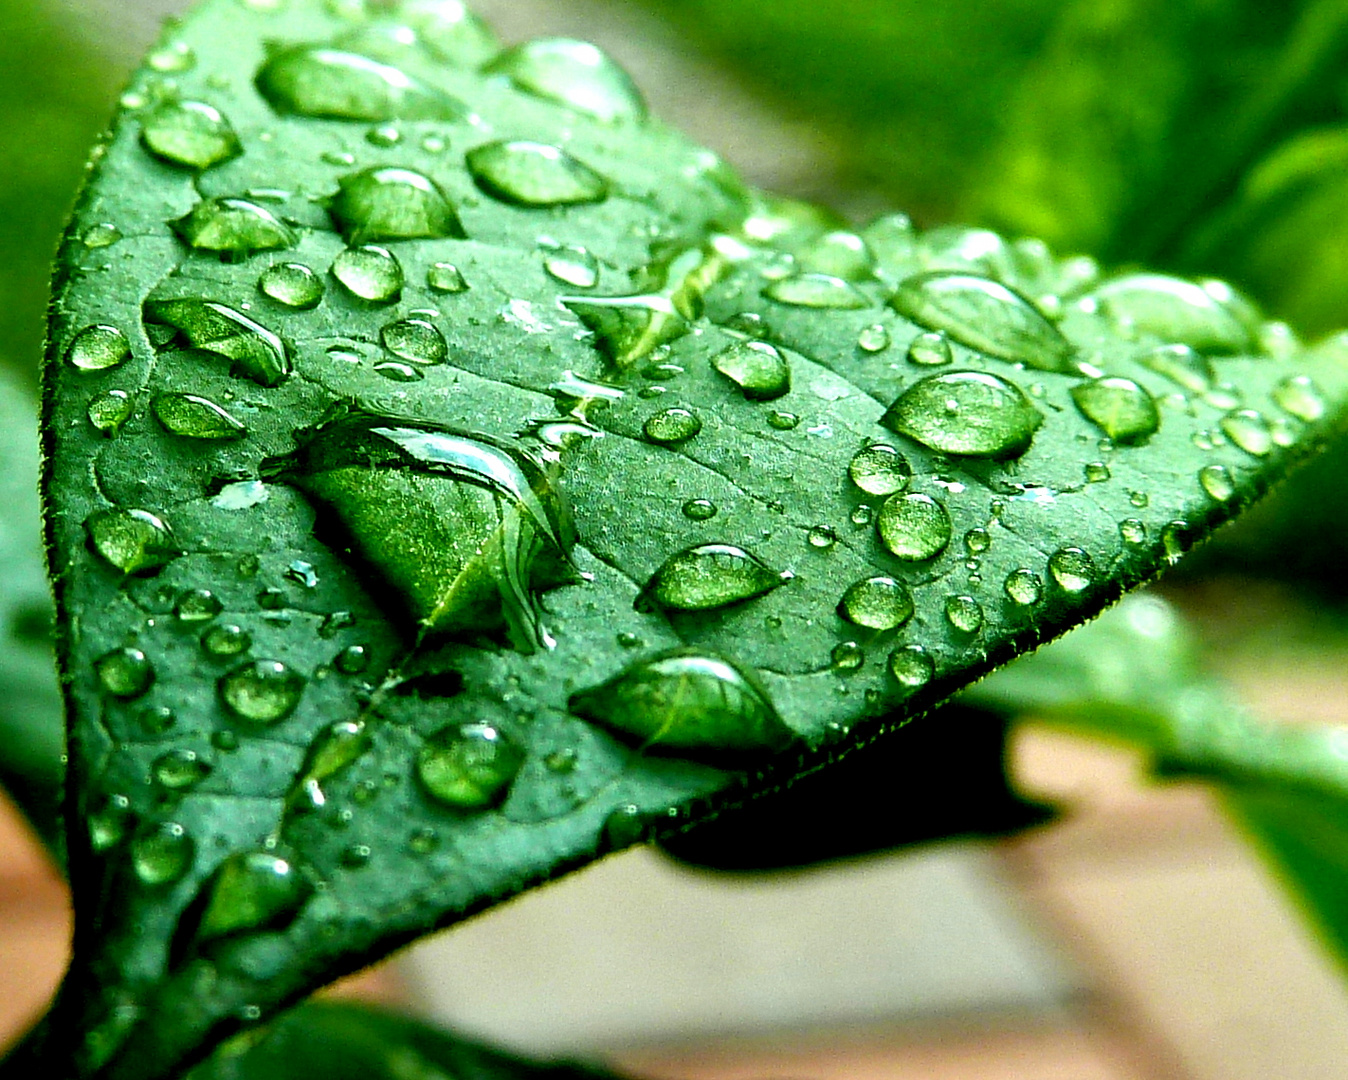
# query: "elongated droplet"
{"points": [[760, 371], [878, 603], [251, 891], [972, 413], [110, 410], [292, 284], [628, 329], [369, 273], [342, 744], [233, 225], [257, 353], [1298, 395], [179, 770], [817, 291], [162, 854], [709, 576], [964, 613], [469, 766], [110, 823], [533, 174], [1120, 408], [262, 691], [984, 315], [97, 348], [1174, 310], [415, 340], [195, 417], [572, 73], [310, 80], [445, 278], [132, 541], [125, 673], [1249, 430], [1072, 568], [389, 203], [672, 425], [914, 527], [687, 701], [190, 133], [572, 266], [1217, 481], [1182, 365]]}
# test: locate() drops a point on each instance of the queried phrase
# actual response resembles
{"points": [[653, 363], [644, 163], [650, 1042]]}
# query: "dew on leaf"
{"points": [[194, 417], [673, 425], [977, 541], [760, 370], [445, 277], [156, 719], [1072, 568], [97, 348], [162, 854], [783, 421], [1298, 395], [1175, 540], [397, 371], [873, 338], [912, 667], [173, 58], [817, 291], [628, 329], [571, 73], [838, 254], [190, 133], [1177, 311], [110, 823], [262, 691], [914, 526], [1119, 407], [132, 541], [102, 235], [1095, 472], [1249, 430], [369, 273], [930, 349], [197, 606], [971, 413], [877, 603], [337, 747], [708, 576], [964, 613], [353, 660], [1023, 587], [879, 469], [331, 84], [233, 226], [391, 203], [1217, 481], [533, 174], [179, 770], [821, 537], [574, 266], [469, 766], [1183, 365], [110, 410], [292, 284], [227, 639], [125, 673], [847, 656], [699, 509], [1133, 532], [257, 352], [251, 891], [415, 340]]}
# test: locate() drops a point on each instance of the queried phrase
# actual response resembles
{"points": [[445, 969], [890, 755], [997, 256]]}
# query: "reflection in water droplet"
{"points": [[1249, 430], [878, 603], [1217, 481], [1024, 587], [257, 353], [847, 656], [912, 666], [1120, 408], [1095, 472], [533, 174], [132, 541], [758, 369], [309, 80], [251, 891], [189, 133], [163, 854], [369, 273], [102, 235], [687, 700], [984, 315], [879, 469], [822, 537], [1133, 532], [1298, 395], [469, 766], [390, 203], [839, 254], [572, 266], [226, 639], [673, 425], [783, 421], [262, 691], [914, 527], [820, 291], [339, 746], [964, 613], [415, 340], [1173, 310], [109, 410], [873, 338], [292, 284], [972, 413], [571, 73], [193, 417], [628, 329], [699, 509], [931, 349], [1072, 568], [708, 576], [179, 770], [125, 673], [1182, 365], [97, 348], [235, 226], [197, 605]]}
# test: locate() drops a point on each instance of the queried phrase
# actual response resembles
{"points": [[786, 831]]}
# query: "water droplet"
{"points": [[1298, 395], [687, 700], [533, 174], [292, 284], [822, 537], [972, 413], [1120, 408], [391, 203], [397, 371], [415, 340], [1072, 568], [353, 660], [628, 329], [862, 515], [469, 766], [911, 666], [817, 291], [109, 824], [225, 741], [1217, 481], [423, 841], [109, 410], [197, 606], [384, 136], [572, 266], [847, 656], [1024, 587], [760, 371], [628, 640], [878, 603], [873, 338], [699, 509], [190, 133], [179, 770], [193, 417], [571, 73], [262, 691], [340, 745], [176, 56], [369, 273], [102, 235], [1248, 430], [250, 892], [132, 541], [233, 225], [1173, 310], [125, 673], [783, 421], [839, 254], [1095, 472], [984, 315], [462, 526], [257, 353], [964, 613], [331, 84], [445, 277], [97, 348], [163, 854], [1182, 365], [931, 349], [672, 425], [226, 640], [709, 576], [1175, 540], [1133, 532], [914, 527], [271, 599], [879, 469]]}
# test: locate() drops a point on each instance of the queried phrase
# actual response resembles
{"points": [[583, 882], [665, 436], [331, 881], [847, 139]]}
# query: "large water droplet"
{"points": [[534, 174], [964, 613], [258, 354], [469, 766], [760, 371], [1298, 395], [709, 576], [878, 603], [339, 746], [1072, 569], [1182, 365], [390, 203], [984, 315], [369, 273], [1249, 430], [97, 348], [125, 673], [572, 73], [234, 226], [672, 425], [1120, 408], [415, 340], [292, 284], [817, 291], [179, 770], [879, 469], [1174, 310], [262, 691], [690, 701], [250, 892], [110, 410], [628, 329], [327, 83], [911, 666], [132, 541], [914, 527], [1024, 587], [190, 133], [163, 854], [195, 417], [972, 413]]}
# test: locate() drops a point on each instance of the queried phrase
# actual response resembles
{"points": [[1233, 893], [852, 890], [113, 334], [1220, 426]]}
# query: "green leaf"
{"points": [[386, 600]]}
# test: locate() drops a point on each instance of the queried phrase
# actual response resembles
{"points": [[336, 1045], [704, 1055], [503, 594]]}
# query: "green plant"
{"points": [[453, 476]]}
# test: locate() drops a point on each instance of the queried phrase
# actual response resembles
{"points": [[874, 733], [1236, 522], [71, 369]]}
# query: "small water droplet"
{"points": [[423, 841], [397, 371], [1120, 408], [912, 666], [369, 273], [1024, 587], [384, 136], [391, 203], [302, 573], [760, 370], [175, 57], [262, 691], [192, 417], [109, 824], [226, 639], [197, 606], [847, 657], [469, 766], [1095, 472], [125, 673], [628, 640], [225, 741], [819, 291], [1133, 532], [1138, 499], [931, 349], [179, 770], [672, 425], [338, 746], [708, 576], [533, 174], [132, 541], [97, 348], [233, 226], [972, 413], [914, 526], [1217, 481], [822, 537], [879, 469], [977, 541], [292, 284], [102, 235], [699, 509], [1298, 395], [257, 353], [415, 340], [964, 613], [1175, 540], [862, 515], [873, 338], [572, 266], [110, 410], [353, 660], [571, 73], [877, 603], [1249, 430], [189, 133], [162, 854], [309, 80], [445, 277], [783, 421], [1182, 365], [1072, 568], [156, 719]]}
